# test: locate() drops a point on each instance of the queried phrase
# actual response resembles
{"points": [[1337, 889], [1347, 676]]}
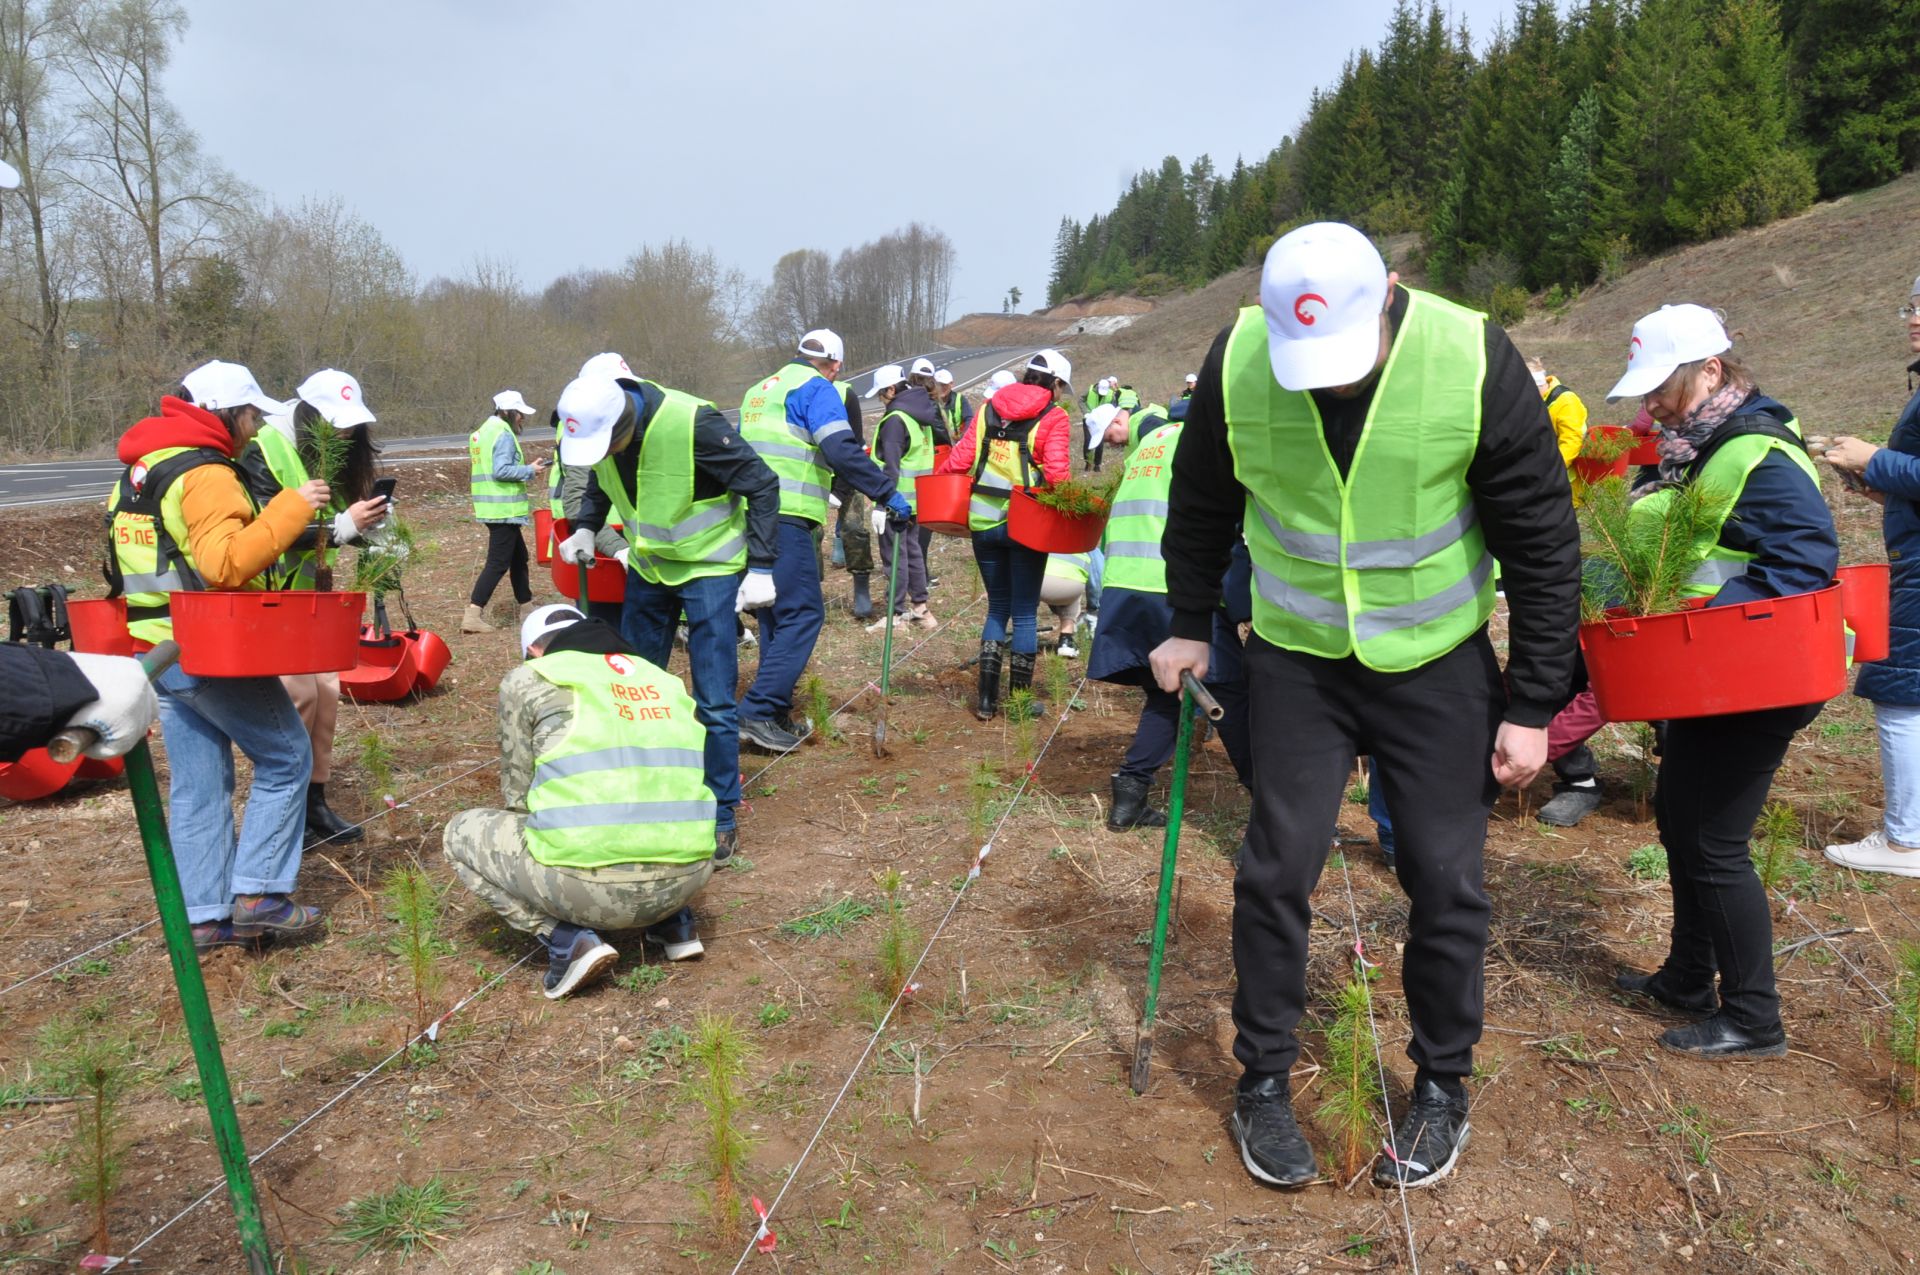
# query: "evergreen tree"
{"points": [[1571, 256], [1649, 106], [1857, 68], [1063, 282]]}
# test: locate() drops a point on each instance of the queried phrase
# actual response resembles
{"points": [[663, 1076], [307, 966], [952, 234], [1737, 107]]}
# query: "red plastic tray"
{"points": [[606, 582], [1647, 453], [543, 535], [386, 670], [430, 656], [940, 502], [256, 634], [1866, 605], [100, 626], [1708, 661], [34, 776], [1032, 524], [1594, 471]]}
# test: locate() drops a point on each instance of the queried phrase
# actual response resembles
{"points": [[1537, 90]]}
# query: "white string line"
{"points": [[1793, 910], [152, 921], [431, 1031], [1373, 1027], [907, 985]]}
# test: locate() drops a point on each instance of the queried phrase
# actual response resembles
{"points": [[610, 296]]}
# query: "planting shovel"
{"points": [[1192, 694], [886, 649], [151, 815]]}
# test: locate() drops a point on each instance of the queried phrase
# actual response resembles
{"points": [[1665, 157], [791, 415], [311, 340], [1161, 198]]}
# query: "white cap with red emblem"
{"points": [[588, 409], [1323, 289], [1662, 341]]}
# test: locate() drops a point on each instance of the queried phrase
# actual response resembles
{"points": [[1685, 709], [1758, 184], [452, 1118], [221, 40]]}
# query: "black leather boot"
{"points": [[1130, 808], [989, 681], [323, 824], [862, 601], [1020, 678]]}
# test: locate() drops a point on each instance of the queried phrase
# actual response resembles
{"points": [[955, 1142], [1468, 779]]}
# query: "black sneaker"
{"points": [[1429, 1140], [576, 958], [1721, 1037], [1570, 804], [726, 844], [767, 736], [1271, 1144], [798, 729], [676, 936], [1703, 1000]]}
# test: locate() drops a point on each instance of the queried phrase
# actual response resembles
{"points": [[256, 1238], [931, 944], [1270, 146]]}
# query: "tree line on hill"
{"points": [[1576, 139], [128, 255]]}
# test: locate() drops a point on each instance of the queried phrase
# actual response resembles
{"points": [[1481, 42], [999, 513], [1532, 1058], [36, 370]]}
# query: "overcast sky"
{"points": [[566, 133]]}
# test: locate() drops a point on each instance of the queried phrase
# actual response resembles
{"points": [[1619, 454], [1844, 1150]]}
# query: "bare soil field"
{"points": [[990, 1126]]}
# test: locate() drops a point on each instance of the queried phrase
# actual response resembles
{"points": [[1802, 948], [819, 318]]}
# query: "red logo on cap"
{"points": [[1300, 307], [1633, 348], [573, 426], [621, 665], [346, 393]]}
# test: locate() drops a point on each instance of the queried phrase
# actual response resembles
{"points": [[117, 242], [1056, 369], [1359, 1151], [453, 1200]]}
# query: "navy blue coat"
{"points": [[1895, 470]]}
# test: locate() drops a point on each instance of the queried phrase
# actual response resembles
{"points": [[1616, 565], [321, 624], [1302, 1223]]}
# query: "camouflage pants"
{"points": [[856, 533], [488, 851]]}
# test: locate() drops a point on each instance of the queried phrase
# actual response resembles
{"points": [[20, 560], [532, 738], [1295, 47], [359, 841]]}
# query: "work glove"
{"points": [[897, 506], [879, 518], [576, 548], [126, 708], [756, 591], [620, 556], [833, 501]]}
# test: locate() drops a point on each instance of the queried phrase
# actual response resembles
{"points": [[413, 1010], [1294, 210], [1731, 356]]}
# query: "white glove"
{"points": [[126, 708], [576, 548], [345, 529], [879, 520], [833, 501], [620, 556], [756, 591]]}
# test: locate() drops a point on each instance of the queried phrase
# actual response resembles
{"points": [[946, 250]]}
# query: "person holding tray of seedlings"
{"points": [[324, 429], [1020, 437], [181, 517], [1765, 532], [608, 821], [1891, 475], [1380, 447]]}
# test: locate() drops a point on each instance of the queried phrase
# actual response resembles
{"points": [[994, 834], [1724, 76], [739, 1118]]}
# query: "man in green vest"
{"points": [[700, 512], [1386, 447], [606, 820], [903, 446], [567, 482], [499, 475], [1122, 427], [796, 420]]}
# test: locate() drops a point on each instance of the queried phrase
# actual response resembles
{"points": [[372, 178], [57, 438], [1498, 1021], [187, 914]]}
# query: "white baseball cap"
{"points": [[1053, 363], [588, 409], [943, 377], [1323, 288], [217, 385], [922, 366], [1097, 421], [544, 620], [510, 401], [336, 396], [1193, 378], [886, 378], [1662, 341], [1000, 380], [608, 366], [823, 343], [9, 176]]}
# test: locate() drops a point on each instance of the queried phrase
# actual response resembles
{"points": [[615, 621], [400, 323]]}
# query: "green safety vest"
{"points": [[147, 530], [672, 537], [999, 465], [1143, 421], [494, 500], [792, 453], [915, 461], [556, 501], [950, 412], [1725, 473], [1126, 400], [1096, 399], [1139, 516], [627, 783], [1074, 567], [298, 568], [1389, 564]]}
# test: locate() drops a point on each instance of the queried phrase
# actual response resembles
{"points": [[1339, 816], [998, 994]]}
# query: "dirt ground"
{"points": [[991, 1127]]}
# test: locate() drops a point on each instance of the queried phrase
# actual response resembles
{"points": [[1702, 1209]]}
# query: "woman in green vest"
{"points": [[282, 456], [499, 478], [1771, 535]]}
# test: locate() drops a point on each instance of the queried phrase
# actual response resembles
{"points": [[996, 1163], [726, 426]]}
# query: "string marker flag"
{"points": [[764, 1239]]}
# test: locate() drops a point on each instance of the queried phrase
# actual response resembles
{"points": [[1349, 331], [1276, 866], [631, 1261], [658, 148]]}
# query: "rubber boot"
{"points": [[1130, 808], [325, 826], [1020, 678], [862, 601], [475, 620], [989, 681], [839, 550]]}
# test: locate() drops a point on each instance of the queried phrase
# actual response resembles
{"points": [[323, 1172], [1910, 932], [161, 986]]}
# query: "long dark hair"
{"points": [[356, 472]]}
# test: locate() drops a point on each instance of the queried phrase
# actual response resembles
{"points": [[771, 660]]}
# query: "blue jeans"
{"points": [[790, 627], [647, 621], [1012, 575], [202, 720], [1096, 568], [1899, 730]]}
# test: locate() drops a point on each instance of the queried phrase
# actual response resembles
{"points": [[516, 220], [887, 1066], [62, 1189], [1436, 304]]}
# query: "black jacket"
{"points": [[722, 463], [891, 443], [39, 691], [1519, 489]]}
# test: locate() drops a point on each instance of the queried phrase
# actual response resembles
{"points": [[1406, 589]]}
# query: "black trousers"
{"points": [[1432, 730], [1715, 773], [506, 552], [1159, 731]]}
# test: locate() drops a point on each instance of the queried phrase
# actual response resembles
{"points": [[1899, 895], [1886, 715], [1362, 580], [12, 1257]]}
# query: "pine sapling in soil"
{"points": [[1906, 1023], [819, 707], [980, 786], [899, 940], [1640, 566], [1059, 680], [88, 1060], [376, 762], [720, 1052], [1777, 839], [1021, 725], [414, 904], [1352, 1082]]}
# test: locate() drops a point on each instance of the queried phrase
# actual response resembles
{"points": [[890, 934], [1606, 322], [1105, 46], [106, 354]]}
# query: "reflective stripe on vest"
{"points": [[627, 782], [494, 500], [1721, 481], [1139, 517], [297, 568], [993, 484], [1076, 567], [672, 537], [790, 452], [916, 460], [136, 542], [1388, 564]]}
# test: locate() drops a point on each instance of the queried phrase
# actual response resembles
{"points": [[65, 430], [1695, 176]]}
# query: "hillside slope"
{"points": [[1812, 300]]}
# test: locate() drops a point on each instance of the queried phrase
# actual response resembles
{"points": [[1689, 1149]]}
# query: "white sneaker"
{"points": [[1873, 854], [1067, 650]]}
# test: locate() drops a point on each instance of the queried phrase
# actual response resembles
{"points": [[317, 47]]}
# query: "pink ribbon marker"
{"points": [[764, 1239]]}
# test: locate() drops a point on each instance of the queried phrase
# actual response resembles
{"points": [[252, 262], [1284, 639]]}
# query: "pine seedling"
{"points": [[383, 556], [89, 1061], [1777, 837], [899, 940], [721, 1053], [1022, 726], [1906, 1021], [1059, 680], [1645, 775], [376, 760], [819, 707], [324, 449], [1352, 1082], [414, 904], [980, 788], [1642, 565]]}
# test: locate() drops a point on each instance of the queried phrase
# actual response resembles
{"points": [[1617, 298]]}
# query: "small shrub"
{"points": [[1021, 723], [773, 1013], [1641, 564], [1508, 305]]}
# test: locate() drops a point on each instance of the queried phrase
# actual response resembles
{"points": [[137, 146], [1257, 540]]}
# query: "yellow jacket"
{"points": [[1569, 416]]}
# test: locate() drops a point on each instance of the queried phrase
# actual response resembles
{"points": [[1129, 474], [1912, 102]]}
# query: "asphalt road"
{"points": [[61, 481]]}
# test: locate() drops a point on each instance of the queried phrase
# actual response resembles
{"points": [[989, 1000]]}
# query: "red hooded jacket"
{"points": [[1052, 446]]}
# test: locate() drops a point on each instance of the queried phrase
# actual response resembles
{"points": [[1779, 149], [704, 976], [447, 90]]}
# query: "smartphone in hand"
{"points": [[383, 488]]}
